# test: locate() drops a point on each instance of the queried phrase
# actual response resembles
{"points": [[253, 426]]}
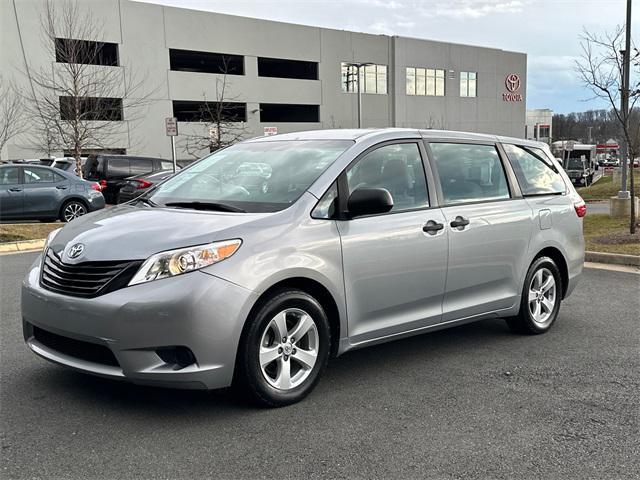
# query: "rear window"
{"points": [[534, 171], [93, 167]]}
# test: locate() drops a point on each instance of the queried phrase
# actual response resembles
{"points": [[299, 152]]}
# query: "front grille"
{"points": [[86, 279], [91, 352]]}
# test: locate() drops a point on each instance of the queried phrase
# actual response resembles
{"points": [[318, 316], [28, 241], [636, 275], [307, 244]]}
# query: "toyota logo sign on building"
{"points": [[512, 83]]}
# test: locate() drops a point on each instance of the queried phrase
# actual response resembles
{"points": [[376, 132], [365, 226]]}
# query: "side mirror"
{"points": [[369, 201]]}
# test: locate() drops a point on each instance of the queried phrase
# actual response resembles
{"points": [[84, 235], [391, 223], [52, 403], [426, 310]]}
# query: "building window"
{"points": [[544, 131], [91, 108], [283, 68], [86, 52], [206, 62], [425, 81], [373, 78], [468, 84], [194, 111], [286, 112]]}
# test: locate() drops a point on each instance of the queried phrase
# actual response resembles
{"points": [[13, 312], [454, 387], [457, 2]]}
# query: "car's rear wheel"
{"points": [[71, 210], [284, 349], [541, 297]]}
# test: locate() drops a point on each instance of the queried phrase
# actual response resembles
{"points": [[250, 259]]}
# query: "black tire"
{"points": [[524, 322], [249, 377], [75, 204]]}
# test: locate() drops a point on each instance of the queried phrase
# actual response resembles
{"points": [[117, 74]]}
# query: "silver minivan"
{"points": [[350, 238]]}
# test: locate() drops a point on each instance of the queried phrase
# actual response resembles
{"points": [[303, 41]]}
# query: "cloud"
{"points": [[476, 8]]}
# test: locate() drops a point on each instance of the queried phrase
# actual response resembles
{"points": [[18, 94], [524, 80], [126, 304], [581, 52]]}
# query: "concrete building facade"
{"points": [[539, 125], [278, 76]]}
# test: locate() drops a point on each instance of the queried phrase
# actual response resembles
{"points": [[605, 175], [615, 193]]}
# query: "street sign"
{"points": [[171, 126], [268, 131]]}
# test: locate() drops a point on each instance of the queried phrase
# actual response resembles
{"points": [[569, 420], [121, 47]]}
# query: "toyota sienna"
{"points": [[354, 237]]}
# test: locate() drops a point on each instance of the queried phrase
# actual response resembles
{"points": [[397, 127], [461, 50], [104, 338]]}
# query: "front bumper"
{"points": [[196, 310]]}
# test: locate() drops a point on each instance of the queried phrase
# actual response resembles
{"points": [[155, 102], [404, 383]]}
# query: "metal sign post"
{"points": [[171, 126]]}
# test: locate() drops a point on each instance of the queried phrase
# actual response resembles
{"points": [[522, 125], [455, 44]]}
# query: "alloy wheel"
{"points": [[542, 296], [288, 349], [73, 210]]}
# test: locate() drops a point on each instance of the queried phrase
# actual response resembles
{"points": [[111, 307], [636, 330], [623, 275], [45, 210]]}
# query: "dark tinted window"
{"points": [[399, 169], [87, 52], [469, 173], [140, 166], [284, 112], [534, 171], [40, 175], [283, 68], [118, 167], [9, 175], [206, 62], [190, 111], [93, 167], [91, 108]]}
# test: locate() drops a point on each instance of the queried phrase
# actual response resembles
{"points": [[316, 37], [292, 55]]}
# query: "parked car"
{"points": [[68, 164], [30, 192], [360, 237], [111, 171], [136, 186]]}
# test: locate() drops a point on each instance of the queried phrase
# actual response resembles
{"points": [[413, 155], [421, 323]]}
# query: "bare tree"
{"points": [[601, 69], [12, 119], [79, 102], [222, 120]]}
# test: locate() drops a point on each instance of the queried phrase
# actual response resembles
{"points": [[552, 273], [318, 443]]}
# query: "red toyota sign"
{"points": [[512, 84]]}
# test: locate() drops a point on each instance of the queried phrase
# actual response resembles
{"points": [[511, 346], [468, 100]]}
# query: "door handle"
{"points": [[459, 223], [432, 227], [61, 187], [15, 189]]}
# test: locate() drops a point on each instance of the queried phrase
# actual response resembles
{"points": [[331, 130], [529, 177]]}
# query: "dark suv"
{"points": [[112, 170]]}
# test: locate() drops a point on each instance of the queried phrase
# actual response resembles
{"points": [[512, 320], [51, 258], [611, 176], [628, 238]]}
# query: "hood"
{"points": [[135, 233]]}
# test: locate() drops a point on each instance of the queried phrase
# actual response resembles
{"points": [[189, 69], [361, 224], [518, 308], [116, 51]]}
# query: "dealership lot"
{"points": [[471, 402]]}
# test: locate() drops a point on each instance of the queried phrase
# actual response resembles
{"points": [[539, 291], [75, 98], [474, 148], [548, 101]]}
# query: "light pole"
{"points": [[624, 105], [357, 66]]}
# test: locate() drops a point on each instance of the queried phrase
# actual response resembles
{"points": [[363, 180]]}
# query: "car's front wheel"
{"points": [[541, 297], [284, 349], [71, 210]]}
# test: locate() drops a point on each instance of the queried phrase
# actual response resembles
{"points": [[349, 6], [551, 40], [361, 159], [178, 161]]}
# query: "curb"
{"points": [[612, 258], [25, 246]]}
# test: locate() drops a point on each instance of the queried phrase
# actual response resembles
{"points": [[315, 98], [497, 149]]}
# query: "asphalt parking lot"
{"points": [[471, 402]]}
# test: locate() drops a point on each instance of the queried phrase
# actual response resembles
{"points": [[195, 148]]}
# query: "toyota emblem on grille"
{"points": [[75, 250]]}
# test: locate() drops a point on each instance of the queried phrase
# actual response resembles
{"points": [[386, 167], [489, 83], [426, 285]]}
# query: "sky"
{"points": [[548, 31]]}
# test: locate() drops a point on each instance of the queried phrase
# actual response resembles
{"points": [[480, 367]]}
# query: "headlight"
{"points": [[183, 260], [50, 237]]}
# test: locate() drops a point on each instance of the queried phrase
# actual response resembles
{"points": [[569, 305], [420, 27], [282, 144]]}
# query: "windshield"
{"points": [[254, 177], [575, 164]]}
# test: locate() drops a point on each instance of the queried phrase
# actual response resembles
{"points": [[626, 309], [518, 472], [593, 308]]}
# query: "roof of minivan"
{"points": [[369, 133]]}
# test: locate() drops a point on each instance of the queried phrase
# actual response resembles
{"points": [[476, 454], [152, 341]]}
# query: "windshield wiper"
{"points": [[222, 207], [146, 201]]}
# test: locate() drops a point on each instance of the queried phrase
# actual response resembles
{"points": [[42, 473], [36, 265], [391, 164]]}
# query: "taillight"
{"points": [[103, 184], [581, 208], [140, 184], [97, 187]]}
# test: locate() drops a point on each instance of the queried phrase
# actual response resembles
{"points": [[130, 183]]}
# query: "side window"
{"points": [[9, 176], [118, 167], [399, 169], [166, 165], [469, 173], [534, 171], [326, 207], [140, 166], [38, 175]]}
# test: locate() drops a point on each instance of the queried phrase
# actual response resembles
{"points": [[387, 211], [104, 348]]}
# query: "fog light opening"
{"points": [[178, 357]]}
